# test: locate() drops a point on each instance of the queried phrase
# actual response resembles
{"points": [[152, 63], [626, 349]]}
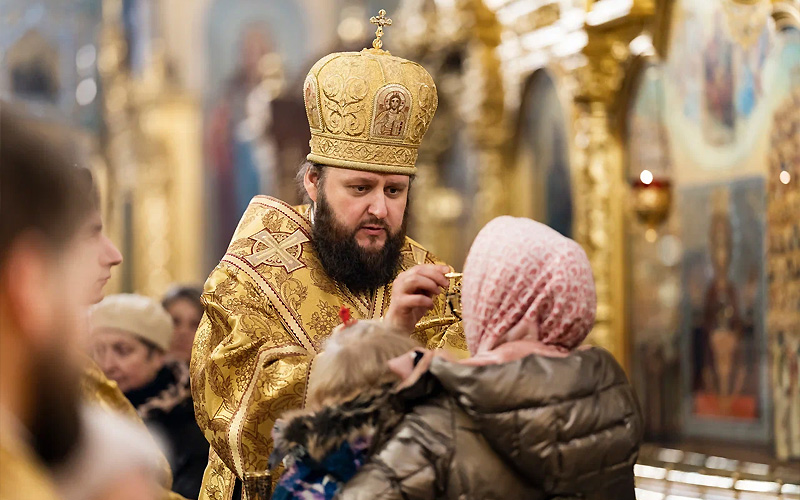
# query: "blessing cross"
{"points": [[279, 250], [380, 21]]}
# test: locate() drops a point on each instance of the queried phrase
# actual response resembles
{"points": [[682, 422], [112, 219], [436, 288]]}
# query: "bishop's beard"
{"points": [[345, 261]]}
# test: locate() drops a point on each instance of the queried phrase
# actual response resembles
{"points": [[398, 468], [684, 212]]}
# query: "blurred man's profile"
{"points": [[43, 297]]}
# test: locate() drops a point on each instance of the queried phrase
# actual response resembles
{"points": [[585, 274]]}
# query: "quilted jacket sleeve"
{"points": [[412, 464]]}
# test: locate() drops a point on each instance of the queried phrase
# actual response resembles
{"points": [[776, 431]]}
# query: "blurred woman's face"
{"points": [[125, 359], [185, 320]]}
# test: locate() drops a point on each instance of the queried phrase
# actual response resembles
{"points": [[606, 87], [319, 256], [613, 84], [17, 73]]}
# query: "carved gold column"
{"points": [[155, 186], [168, 219], [601, 187], [152, 224], [484, 111], [475, 96], [599, 220], [783, 251], [115, 186]]}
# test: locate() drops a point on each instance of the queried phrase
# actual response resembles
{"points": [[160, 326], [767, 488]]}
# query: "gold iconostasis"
{"points": [[661, 135]]}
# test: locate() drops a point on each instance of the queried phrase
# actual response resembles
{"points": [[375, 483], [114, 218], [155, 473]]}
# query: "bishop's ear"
{"points": [[311, 182]]}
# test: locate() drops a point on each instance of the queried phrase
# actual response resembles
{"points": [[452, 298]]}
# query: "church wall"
{"points": [[715, 161], [720, 102]]}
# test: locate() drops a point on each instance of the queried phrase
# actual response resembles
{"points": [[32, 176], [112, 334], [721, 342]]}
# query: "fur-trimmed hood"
{"points": [[315, 435], [323, 450]]}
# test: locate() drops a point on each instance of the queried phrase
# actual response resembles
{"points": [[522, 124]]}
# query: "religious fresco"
{"points": [[698, 290], [254, 50], [723, 281], [719, 76], [731, 356]]}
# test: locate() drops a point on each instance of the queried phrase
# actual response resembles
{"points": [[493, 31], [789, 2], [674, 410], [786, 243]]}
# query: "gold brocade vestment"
{"points": [[269, 308], [22, 475]]}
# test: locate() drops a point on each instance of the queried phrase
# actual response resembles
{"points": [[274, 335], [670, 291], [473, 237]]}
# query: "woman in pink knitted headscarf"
{"points": [[526, 289], [529, 416]]}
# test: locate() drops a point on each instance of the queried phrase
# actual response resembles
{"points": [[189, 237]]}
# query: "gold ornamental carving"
{"points": [[367, 152], [601, 191], [153, 147], [343, 103], [783, 274], [485, 118], [544, 16], [786, 14], [599, 220]]}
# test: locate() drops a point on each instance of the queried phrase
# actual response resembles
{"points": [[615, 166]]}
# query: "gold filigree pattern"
{"points": [[365, 152], [344, 103], [324, 320], [428, 102], [783, 273]]}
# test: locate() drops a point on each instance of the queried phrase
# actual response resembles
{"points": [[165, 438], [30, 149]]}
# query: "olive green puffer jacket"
{"points": [[536, 428]]}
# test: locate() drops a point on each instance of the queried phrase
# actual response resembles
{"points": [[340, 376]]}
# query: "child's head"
{"points": [[355, 360], [523, 279]]}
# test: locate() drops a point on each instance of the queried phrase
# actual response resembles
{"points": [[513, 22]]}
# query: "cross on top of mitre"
{"points": [[380, 21]]}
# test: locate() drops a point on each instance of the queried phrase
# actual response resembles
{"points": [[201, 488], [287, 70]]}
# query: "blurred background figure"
{"points": [[130, 337], [44, 292], [183, 305], [242, 159]]}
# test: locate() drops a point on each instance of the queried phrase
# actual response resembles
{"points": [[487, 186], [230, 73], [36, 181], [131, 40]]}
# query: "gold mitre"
{"points": [[368, 110]]}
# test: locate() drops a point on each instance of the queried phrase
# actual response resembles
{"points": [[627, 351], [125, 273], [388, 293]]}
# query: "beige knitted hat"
{"points": [[134, 314]]}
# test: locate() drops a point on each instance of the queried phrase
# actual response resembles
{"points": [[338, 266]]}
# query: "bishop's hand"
{"points": [[412, 294]]}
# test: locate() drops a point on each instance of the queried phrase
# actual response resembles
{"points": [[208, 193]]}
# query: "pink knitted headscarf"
{"points": [[520, 270]]}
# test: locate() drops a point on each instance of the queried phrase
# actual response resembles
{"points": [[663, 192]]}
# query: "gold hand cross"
{"points": [[380, 21]]}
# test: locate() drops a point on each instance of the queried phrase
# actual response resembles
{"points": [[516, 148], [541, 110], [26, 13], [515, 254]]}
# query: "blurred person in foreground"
{"points": [[116, 460], [530, 416], [44, 293], [186, 309], [46, 162], [130, 337], [96, 388]]}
